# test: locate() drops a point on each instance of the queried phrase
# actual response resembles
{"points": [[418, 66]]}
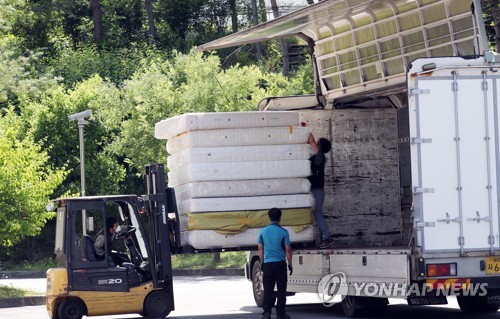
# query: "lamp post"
{"points": [[80, 117]]}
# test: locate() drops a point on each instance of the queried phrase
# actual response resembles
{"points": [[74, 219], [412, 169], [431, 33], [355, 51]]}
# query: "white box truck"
{"points": [[408, 93]]}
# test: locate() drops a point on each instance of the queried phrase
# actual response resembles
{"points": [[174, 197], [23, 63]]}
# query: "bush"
{"points": [[235, 259], [40, 265]]}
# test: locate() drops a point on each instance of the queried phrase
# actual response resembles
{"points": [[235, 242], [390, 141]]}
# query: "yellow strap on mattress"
{"points": [[239, 221]]}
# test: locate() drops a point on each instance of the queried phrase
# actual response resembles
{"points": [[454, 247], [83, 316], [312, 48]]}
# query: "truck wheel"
{"points": [[351, 306], [476, 304], [257, 284], [71, 309], [355, 306], [157, 305]]}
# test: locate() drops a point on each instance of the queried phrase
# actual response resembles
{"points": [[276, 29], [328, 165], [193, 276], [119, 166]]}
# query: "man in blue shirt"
{"points": [[274, 250]]}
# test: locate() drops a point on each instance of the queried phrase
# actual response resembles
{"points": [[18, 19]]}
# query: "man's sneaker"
{"points": [[266, 315], [285, 316], [326, 244]]}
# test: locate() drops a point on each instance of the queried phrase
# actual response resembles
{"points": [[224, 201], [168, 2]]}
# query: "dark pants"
{"points": [[119, 258], [275, 273]]}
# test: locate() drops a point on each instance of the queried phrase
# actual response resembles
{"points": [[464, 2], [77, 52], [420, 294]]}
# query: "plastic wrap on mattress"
{"points": [[239, 221], [240, 154], [282, 186], [171, 127], [209, 239], [239, 137], [229, 204], [232, 171]]}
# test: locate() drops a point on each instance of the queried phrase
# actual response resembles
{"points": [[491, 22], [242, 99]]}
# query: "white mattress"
{"points": [[239, 154], [228, 204], [282, 186], [208, 239], [239, 137], [171, 127], [232, 171]]}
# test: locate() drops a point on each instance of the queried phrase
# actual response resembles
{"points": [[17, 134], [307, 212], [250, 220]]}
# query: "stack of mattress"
{"points": [[228, 169]]}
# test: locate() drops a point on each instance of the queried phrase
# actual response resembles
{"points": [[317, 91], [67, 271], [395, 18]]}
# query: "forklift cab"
{"points": [[80, 221], [139, 280]]}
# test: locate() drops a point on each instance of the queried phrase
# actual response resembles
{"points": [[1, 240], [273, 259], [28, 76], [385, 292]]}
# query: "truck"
{"points": [[407, 91]]}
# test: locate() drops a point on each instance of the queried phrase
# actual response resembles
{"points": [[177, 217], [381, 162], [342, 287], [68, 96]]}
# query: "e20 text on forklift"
{"points": [[85, 283]]}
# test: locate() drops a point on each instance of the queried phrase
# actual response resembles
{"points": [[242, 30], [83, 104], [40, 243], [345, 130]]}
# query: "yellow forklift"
{"points": [[87, 284]]}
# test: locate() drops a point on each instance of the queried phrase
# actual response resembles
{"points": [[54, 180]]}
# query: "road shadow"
{"points": [[317, 310]]}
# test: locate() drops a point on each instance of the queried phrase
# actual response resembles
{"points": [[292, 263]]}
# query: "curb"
{"points": [[40, 300], [175, 272], [209, 272], [22, 302], [23, 274]]}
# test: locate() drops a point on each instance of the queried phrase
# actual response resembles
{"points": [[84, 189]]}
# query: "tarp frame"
{"points": [[362, 47]]}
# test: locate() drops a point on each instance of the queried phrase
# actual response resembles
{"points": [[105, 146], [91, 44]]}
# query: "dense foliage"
{"points": [[130, 61], [140, 69]]}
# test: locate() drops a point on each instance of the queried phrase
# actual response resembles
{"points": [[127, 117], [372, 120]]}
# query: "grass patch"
{"points": [[42, 264], [11, 292], [233, 259]]}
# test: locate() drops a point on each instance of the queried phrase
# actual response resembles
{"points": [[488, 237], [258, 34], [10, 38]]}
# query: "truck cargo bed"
{"points": [[362, 178]]}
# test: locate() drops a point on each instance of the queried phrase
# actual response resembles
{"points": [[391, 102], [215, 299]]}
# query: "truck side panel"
{"points": [[308, 270], [357, 267]]}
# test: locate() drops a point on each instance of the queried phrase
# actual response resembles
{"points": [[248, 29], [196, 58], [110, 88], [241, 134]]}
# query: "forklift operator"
{"points": [[112, 228]]}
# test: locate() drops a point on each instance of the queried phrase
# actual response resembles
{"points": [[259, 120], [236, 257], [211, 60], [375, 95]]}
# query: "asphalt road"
{"points": [[231, 297]]}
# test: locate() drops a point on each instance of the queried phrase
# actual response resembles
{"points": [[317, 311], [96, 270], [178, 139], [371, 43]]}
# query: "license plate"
{"points": [[425, 301], [493, 265]]}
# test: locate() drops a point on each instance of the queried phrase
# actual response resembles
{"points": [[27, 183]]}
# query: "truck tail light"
{"points": [[435, 270]]}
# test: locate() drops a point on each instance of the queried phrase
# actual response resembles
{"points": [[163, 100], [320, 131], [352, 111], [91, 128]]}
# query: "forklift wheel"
{"points": [[71, 309], [157, 305]]}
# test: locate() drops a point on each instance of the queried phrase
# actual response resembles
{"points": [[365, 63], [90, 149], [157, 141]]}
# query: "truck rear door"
{"points": [[454, 132]]}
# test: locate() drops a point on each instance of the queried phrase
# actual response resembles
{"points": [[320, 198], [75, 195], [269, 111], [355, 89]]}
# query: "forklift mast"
{"points": [[164, 232]]}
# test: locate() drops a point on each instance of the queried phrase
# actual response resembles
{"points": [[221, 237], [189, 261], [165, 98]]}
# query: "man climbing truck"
{"points": [[408, 93], [85, 284]]}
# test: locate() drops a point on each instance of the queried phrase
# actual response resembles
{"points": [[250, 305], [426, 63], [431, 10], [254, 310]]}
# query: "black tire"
{"points": [[56, 314], [492, 308], [351, 306], [157, 305], [476, 304], [257, 284], [71, 309], [355, 306]]}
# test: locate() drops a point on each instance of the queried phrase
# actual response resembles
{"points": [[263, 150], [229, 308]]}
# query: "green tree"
{"points": [[48, 120], [27, 181], [491, 14], [148, 5], [190, 83], [19, 77]]}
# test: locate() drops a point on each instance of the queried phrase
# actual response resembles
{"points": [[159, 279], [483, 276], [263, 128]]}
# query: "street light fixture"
{"points": [[80, 117]]}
